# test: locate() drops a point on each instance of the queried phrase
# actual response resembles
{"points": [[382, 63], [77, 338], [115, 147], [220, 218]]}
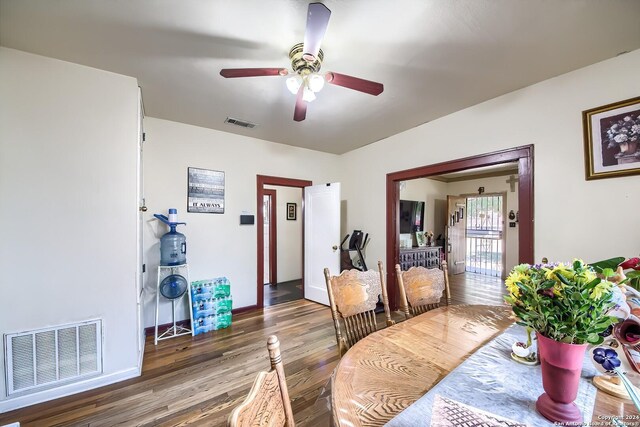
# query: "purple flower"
{"points": [[606, 357]]}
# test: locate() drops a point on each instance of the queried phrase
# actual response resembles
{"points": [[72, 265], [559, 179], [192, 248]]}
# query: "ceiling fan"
{"points": [[306, 60]]}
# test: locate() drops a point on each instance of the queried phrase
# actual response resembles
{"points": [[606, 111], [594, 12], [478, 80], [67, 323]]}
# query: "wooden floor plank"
{"points": [[198, 381]]}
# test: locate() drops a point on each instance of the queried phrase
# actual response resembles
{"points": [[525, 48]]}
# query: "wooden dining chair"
{"points": [[268, 401], [353, 296], [421, 288]]}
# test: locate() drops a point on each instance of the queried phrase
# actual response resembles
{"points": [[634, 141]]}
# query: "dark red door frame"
{"points": [[522, 155], [273, 237], [263, 180]]}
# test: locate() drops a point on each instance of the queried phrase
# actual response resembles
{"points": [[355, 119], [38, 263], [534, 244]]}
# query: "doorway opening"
{"points": [[522, 156], [267, 268], [282, 245], [269, 212], [485, 235]]}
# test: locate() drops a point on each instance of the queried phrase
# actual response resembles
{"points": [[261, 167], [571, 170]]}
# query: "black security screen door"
{"points": [[484, 235]]}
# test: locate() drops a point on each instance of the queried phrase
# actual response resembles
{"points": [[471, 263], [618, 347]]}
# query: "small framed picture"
{"points": [[291, 211], [612, 139]]}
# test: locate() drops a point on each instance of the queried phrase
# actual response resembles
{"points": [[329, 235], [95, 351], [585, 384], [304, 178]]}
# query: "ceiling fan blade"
{"points": [[350, 82], [317, 22], [300, 113], [252, 72]]}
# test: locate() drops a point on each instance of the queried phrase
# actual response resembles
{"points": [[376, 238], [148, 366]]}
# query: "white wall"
{"points": [[289, 233], [68, 144], [216, 244], [496, 184], [573, 217]]}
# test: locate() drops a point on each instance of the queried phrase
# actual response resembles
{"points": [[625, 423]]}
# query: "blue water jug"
{"points": [[173, 245], [173, 248]]}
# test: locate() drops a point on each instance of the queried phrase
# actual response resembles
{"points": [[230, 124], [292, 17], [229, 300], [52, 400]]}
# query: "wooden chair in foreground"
{"points": [[268, 401], [353, 296], [421, 288]]}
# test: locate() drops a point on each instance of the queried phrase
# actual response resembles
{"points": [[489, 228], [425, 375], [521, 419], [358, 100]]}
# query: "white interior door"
{"points": [[321, 238], [140, 269]]}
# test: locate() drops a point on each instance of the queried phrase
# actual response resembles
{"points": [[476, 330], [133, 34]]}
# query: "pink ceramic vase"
{"points": [[561, 366]]}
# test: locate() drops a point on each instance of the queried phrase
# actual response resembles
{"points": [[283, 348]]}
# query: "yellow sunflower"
{"points": [[510, 282]]}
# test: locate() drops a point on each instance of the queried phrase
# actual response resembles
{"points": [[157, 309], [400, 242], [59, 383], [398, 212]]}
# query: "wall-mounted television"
{"points": [[411, 216]]}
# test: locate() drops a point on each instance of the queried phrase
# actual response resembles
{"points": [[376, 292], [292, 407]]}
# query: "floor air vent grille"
{"points": [[44, 358]]}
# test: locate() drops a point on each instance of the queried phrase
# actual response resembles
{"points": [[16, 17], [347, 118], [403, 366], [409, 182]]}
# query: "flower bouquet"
{"points": [[624, 134], [567, 305], [564, 302]]}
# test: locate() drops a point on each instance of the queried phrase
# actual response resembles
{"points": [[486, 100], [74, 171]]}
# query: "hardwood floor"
{"points": [[199, 380], [472, 288], [282, 292]]}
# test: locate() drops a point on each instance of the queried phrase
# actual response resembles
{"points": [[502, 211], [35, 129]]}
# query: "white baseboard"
{"points": [[66, 390]]}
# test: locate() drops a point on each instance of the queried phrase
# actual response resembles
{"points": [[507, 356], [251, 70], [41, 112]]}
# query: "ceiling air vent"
{"points": [[241, 123]]}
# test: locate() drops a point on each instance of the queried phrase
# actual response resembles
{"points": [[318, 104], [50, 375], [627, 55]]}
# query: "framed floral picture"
{"points": [[612, 139]]}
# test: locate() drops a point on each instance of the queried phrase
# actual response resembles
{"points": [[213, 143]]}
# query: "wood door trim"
{"points": [[273, 236], [523, 155], [261, 181]]}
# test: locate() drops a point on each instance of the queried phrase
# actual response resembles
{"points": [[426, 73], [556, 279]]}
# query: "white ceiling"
{"points": [[433, 56]]}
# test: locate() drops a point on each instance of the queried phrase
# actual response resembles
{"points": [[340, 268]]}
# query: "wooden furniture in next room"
{"points": [[423, 256]]}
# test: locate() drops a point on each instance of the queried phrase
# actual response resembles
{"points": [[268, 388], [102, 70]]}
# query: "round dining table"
{"points": [[387, 371]]}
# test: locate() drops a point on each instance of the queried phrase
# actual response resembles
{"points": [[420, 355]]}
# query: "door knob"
{"points": [[335, 248], [143, 208]]}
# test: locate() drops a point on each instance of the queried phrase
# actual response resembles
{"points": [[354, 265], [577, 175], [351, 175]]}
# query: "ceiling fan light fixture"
{"points": [[306, 62], [315, 82], [308, 95], [294, 83]]}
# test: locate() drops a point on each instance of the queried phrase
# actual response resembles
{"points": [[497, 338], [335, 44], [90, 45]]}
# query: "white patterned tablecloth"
{"points": [[493, 382]]}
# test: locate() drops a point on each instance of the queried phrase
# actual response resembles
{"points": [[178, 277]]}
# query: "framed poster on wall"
{"points": [[291, 211], [205, 192]]}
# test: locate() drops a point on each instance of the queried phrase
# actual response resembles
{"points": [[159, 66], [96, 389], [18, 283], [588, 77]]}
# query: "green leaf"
{"points": [[519, 312], [547, 284], [594, 339], [632, 274], [563, 279], [608, 272], [592, 284], [607, 263]]}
